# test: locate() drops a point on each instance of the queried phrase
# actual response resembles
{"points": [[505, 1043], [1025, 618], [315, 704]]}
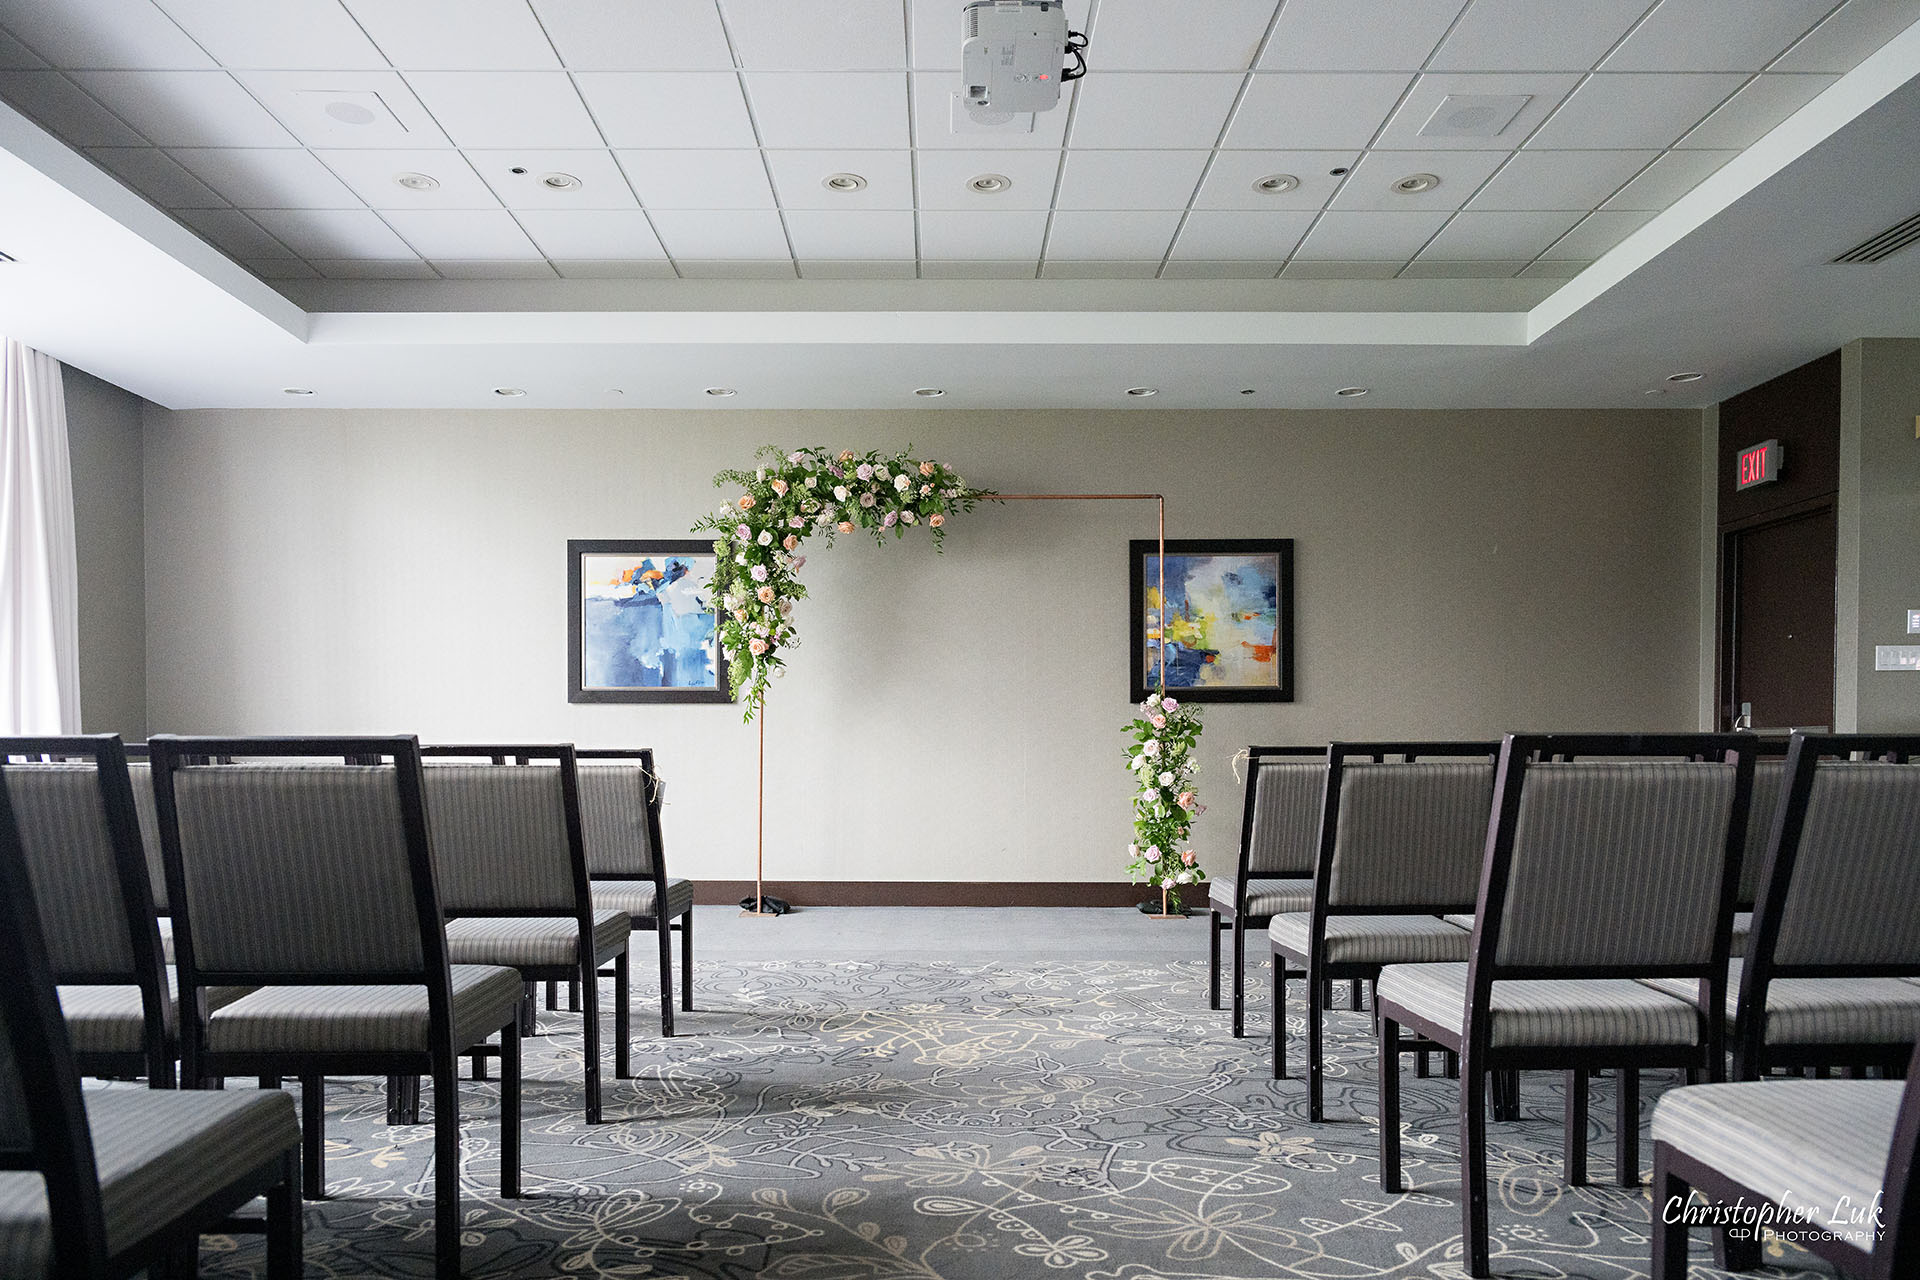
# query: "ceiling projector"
{"points": [[1013, 54]]}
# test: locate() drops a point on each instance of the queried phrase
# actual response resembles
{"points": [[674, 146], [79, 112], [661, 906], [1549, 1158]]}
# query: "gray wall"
{"points": [[1880, 537], [103, 443], [950, 717]]}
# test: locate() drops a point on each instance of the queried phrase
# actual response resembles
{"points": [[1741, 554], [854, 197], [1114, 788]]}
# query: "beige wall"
{"points": [[103, 444], [1879, 531], [949, 717]]}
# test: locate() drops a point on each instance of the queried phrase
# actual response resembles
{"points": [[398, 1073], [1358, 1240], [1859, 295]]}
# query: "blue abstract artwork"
{"points": [[646, 622]]}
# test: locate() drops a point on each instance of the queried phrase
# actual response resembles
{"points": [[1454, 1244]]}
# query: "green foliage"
{"points": [[1160, 754]]}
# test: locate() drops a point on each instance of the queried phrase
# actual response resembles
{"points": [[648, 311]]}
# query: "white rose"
{"points": [[839, 493], [1138, 763], [813, 482], [1152, 854], [1166, 777], [765, 539], [902, 483], [1150, 748], [1185, 877]]}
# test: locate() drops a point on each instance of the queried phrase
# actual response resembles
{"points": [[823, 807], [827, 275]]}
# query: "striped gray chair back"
{"points": [[140, 774], [618, 810], [500, 838], [1615, 863], [1410, 836], [1854, 876], [76, 870], [1281, 835], [1768, 774]]}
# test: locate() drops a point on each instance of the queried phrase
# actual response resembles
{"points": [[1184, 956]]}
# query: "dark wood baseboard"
{"points": [[941, 893]]}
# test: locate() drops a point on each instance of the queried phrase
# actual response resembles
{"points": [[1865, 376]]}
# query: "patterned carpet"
{"points": [[962, 1120]]}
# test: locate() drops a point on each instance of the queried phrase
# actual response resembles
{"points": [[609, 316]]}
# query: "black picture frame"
{"points": [[700, 554], [1276, 555]]}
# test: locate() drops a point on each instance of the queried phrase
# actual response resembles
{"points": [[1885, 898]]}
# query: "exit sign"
{"points": [[1759, 465]]}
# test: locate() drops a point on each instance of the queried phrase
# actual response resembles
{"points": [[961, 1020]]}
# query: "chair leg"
{"points": [[1315, 1011], [1213, 965], [510, 1112], [1574, 1144], [1506, 1095], [285, 1223], [589, 981], [686, 961], [1736, 1253], [1353, 996], [529, 1024], [1389, 1068], [573, 997], [663, 935], [1239, 975], [313, 1137], [1626, 1136], [622, 1021], [1453, 1064], [1669, 1232], [1473, 1164], [1420, 1065], [446, 1164], [553, 995], [1279, 1016]]}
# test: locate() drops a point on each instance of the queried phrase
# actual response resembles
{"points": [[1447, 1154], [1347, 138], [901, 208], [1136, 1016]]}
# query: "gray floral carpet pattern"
{"points": [[963, 1120]]}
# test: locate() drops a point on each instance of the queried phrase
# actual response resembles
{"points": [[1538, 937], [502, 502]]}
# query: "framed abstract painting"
{"points": [[641, 624], [1226, 619]]}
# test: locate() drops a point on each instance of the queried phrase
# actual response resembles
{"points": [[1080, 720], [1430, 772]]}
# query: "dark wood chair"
{"points": [[1279, 831]]}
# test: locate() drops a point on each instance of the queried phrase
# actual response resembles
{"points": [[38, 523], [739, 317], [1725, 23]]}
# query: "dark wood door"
{"points": [[1777, 647]]}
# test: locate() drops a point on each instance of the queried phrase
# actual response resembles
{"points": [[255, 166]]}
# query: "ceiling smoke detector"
{"points": [[417, 181], [990, 183], [561, 182], [1414, 183], [1274, 183], [844, 182]]}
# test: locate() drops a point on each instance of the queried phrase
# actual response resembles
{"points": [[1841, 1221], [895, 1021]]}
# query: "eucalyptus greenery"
{"points": [[1161, 757]]}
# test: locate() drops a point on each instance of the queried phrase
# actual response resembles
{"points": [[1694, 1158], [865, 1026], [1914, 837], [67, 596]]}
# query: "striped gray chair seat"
{"points": [[1546, 1011], [1279, 829], [636, 897], [1373, 940], [112, 1020], [533, 942], [1811, 1011], [377, 1019], [621, 799], [1263, 897]]}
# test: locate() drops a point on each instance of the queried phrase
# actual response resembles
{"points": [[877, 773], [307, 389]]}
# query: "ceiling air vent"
{"points": [[1886, 244]]}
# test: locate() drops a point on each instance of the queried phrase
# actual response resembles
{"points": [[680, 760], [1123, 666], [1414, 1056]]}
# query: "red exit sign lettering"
{"points": [[1759, 465]]}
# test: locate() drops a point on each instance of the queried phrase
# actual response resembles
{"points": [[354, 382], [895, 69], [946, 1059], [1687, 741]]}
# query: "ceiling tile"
{"points": [[345, 108], [280, 178], [1136, 35], [471, 35], [494, 269], [736, 269], [155, 175], [1751, 113], [936, 34], [1597, 234], [1370, 185], [942, 178], [1327, 35], [718, 235], [373, 269], [821, 269], [1175, 269], [802, 110], [961, 269], [333, 233], [1107, 235], [1297, 110], [64, 110], [702, 179], [668, 108], [233, 233], [105, 34], [187, 108], [851, 235], [464, 235], [1230, 180], [1668, 178], [1487, 270], [1130, 179], [1097, 269], [619, 35], [1369, 237], [618, 269], [933, 114], [371, 175], [1484, 237], [1715, 35], [798, 179], [1633, 110], [1300, 269], [846, 35], [1543, 91], [1237, 235], [507, 108], [1012, 235], [1527, 35], [15, 56], [1561, 179], [1150, 110], [1855, 30], [602, 184], [611, 234], [284, 33]]}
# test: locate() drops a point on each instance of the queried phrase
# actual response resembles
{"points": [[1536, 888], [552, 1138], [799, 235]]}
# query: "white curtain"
{"points": [[39, 573]]}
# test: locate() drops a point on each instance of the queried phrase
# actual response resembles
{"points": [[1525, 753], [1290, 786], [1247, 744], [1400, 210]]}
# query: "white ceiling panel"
{"points": [[1012, 235], [943, 178], [698, 179], [155, 175], [1633, 110], [507, 108], [721, 235], [1370, 185], [283, 33], [610, 234], [456, 35], [799, 179], [466, 235], [1598, 233], [1561, 179], [1239, 235], [1543, 92], [105, 34], [1667, 179], [64, 110], [1328, 35], [1715, 35], [801, 110], [495, 269], [1107, 235], [1854, 30], [1365, 236], [614, 269], [346, 108], [1529, 35], [1751, 113], [933, 95], [372, 174], [1139, 110], [825, 35], [1130, 179], [280, 178], [851, 235], [333, 233], [619, 35], [233, 233], [602, 184], [1304, 111], [668, 108], [1487, 237], [15, 56], [935, 33], [1230, 180], [373, 268], [1138, 35], [187, 108]]}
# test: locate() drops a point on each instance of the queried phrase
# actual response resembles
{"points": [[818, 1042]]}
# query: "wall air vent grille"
{"points": [[1886, 244]]}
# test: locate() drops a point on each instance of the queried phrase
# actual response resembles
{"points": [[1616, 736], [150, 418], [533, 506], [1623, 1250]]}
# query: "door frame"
{"points": [[1727, 639]]}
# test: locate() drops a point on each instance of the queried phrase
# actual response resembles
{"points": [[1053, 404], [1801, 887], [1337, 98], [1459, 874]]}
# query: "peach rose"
{"points": [[926, 468], [756, 646], [764, 595], [789, 542], [746, 502], [846, 455], [1186, 800], [845, 526], [936, 519], [1187, 857], [779, 486]]}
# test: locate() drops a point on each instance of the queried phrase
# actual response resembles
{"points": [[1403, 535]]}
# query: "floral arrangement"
{"points": [[791, 497], [1163, 739]]}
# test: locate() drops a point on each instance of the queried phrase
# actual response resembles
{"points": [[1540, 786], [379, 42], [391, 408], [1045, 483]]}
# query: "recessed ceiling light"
{"points": [[296, 391], [843, 182], [508, 391], [720, 391], [417, 181], [1274, 183], [1338, 171], [1351, 392], [561, 182], [1656, 391], [1247, 391], [990, 183], [929, 392], [1143, 391], [1414, 183], [1685, 377]]}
